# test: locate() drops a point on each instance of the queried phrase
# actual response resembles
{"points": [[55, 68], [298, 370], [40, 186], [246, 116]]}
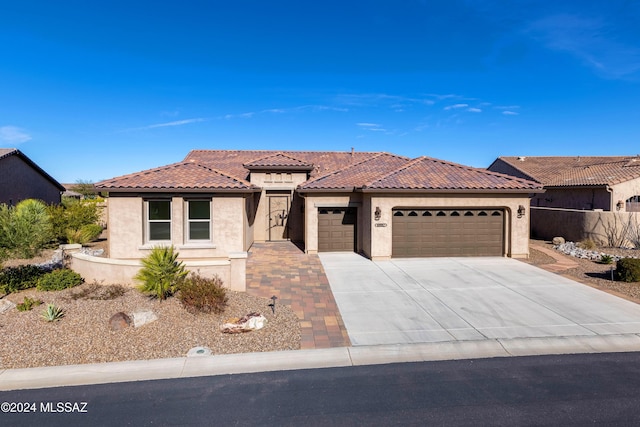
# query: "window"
{"points": [[159, 220], [199, 220]]}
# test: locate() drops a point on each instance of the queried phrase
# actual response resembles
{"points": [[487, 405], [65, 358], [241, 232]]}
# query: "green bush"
{"points": [[73, 214], [201, 294], [26, 228], [628, 270], [58, 280], [14, 279], [28, 304], [161, 273], [87, 233], [606, 259]]}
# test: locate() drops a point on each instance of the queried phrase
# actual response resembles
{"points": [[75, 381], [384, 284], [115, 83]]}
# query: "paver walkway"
{"points": [[299, 281]]}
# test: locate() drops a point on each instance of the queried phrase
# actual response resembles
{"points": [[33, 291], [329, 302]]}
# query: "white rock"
{"points": [[141, 318], [6, 305]]}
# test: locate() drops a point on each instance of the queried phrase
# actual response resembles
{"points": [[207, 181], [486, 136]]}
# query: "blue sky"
{"points": [[92, 90]]}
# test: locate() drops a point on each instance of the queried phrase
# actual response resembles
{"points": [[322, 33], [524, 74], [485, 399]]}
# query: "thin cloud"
{"points": [[13, 135], [455, 106], [510, 113], [474, 110], [595, 43], [372, 127], [170, 124]]}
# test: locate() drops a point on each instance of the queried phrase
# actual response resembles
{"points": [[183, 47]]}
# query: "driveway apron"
{"points": [[421, 300]]}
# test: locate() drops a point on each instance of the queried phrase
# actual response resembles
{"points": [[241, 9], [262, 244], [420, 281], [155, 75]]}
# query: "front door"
{"points": [[278, 217]]}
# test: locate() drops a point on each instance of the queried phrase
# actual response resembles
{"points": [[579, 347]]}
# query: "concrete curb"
{"points": [[185, 367]]}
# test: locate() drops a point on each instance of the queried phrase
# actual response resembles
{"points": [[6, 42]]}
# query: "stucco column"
{"points": [[238, 271]]}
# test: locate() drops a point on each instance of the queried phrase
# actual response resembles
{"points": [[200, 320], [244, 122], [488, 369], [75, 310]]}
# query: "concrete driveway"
{"points": [[422, 300]]}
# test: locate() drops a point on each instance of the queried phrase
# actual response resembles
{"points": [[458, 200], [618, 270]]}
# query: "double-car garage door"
{"points": [[447, 232]]}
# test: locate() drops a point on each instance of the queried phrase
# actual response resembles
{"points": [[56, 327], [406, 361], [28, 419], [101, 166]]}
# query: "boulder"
{"points": [[558, 240], [119, 321], [141, 318]]}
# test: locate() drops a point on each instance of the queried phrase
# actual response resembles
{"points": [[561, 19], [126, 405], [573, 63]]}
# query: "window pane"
{"points": [[159, 209], [199, 209], [160, 231], [198, 231]]}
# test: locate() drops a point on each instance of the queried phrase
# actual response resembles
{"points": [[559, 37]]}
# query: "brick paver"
{"points": [[298, 280]]}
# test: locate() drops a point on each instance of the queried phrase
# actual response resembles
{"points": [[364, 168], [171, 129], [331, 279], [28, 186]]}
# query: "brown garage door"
{"points": [[448, 232], [336, 229]]}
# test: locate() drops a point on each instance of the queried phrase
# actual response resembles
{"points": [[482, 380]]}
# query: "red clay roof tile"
{"points": [[560, 171]]}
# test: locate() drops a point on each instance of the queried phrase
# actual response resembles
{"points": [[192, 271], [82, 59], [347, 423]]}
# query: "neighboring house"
{"points": [[216, 203], [21, 178], [610, 183]]}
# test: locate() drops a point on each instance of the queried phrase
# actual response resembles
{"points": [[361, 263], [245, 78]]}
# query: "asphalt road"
{"points": [[543, 390]]}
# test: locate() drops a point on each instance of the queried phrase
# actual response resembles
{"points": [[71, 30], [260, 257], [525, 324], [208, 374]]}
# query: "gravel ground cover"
{"points": [[84, 336], [591, 272]]}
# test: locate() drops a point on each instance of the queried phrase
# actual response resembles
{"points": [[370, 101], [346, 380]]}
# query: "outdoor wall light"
{"points": [[521, 211], [377, 214], [619, 205]]}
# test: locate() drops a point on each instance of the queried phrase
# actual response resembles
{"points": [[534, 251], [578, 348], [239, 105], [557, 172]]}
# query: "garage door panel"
{"points": [[448, 232], [336, 229]]}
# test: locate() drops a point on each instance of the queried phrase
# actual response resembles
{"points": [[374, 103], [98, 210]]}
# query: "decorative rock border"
{"points": [[570, 248]]}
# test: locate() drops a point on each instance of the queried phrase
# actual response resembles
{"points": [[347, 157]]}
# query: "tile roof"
{"points": [[573, 171], [354, 176], [178, 176], [232, 161], [278, 160], [6, 152], [425, 173]]}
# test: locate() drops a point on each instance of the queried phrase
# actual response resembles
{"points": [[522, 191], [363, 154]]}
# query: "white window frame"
{"points": [[148, 221], [188, 221]]}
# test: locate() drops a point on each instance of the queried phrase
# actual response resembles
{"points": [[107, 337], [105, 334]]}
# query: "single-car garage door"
{"points": [[336, 229], [447, 232]]}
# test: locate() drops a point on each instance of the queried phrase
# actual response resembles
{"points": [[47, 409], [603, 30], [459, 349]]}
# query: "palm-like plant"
{"points": [[161, 273]]}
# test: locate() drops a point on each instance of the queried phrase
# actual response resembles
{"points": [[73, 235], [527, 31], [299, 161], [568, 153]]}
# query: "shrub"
{"points": [[606, 259], [201, 294], [588, 244], [28, 304], [87, 233], [15, 279], [53, 313], [161, 273], [26, 228], [72, 214], [58, 280], [628, 270]]}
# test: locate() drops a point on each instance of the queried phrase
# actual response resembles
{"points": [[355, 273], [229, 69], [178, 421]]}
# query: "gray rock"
{"points": [[141, 318], [6, 305], [558, 240], [119, 321]]}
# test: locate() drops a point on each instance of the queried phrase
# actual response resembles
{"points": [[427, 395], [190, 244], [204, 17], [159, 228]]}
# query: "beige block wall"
{"points": [[516, 229]]}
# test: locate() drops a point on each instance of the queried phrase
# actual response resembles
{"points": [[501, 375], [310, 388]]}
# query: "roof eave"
{"points": [[176, 190], [454, 190]]}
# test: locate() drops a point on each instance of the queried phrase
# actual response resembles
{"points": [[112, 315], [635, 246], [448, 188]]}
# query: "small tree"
{"points": [[70, 217], [161, 273], [86, 188]]}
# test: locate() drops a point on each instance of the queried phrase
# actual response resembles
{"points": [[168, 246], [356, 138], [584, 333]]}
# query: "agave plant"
{"points": [[52, 313], [161, 273]]}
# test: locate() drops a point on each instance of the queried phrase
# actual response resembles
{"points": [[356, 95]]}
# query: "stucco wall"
{"points": [[19, 181], [578, 225]]}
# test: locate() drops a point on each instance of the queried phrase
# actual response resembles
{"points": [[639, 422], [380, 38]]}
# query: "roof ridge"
{"points": [[335, 172]]}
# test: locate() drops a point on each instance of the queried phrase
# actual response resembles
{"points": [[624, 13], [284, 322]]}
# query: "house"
{"points": [[609, 183], [594, 198], [215, 204], [21, 178]]}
